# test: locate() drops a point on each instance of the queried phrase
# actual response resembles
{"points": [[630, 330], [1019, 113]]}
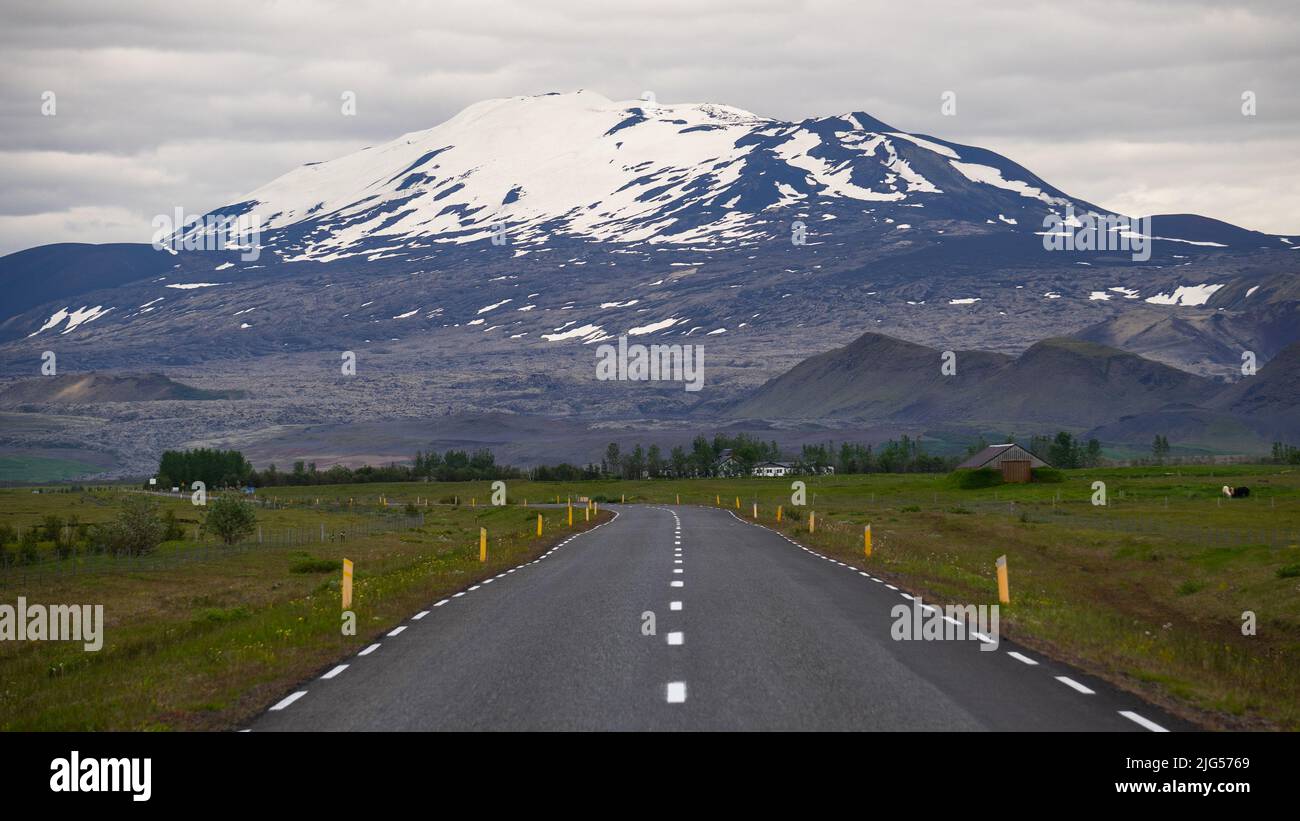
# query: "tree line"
{"points": [[229, 468]]}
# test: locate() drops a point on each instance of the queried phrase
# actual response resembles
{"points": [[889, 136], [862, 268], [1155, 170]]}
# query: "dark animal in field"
{"points": [[1236, 492]]}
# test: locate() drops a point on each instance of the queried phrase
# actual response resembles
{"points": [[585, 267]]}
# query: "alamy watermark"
{"points": [[645, 363], [55, 622], [1098, 232], [955, 622], [178, 231]]}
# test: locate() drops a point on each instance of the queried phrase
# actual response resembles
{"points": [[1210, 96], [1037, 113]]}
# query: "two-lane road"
{"points": [[751, 632]]}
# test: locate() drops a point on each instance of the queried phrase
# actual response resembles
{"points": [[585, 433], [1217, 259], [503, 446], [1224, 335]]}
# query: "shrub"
{"points": [[978, 478], [316, 566], [53, 527], [29, 550], [230, 518], [1048, 475], [1290, 571], [172, 530], [411, 509], [137, 530], [1189, 587]]}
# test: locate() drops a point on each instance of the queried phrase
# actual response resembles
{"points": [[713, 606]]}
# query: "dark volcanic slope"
{"points": [[1058, 381], [876, 376], [1271, 393], [1071, 382], [84, 389]]}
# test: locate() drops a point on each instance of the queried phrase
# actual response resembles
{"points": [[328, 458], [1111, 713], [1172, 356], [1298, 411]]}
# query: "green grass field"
{"points": [[42, 469], [207, 643], [1148, 592]]}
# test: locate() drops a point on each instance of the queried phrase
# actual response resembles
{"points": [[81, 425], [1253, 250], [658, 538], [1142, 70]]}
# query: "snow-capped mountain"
{"points": [[568, 219], [579, 166]]}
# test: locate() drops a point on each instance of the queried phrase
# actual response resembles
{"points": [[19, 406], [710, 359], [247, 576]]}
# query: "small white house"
{"points": [[773, 469]]}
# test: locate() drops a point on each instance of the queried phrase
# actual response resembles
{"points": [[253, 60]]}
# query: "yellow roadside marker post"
{"points": [[595, 507], [717, 500], [586, 513], [778, 513], [1004, 590], [755, 510], [737, 503], [570, 513], [347, 584], [482, 544], [866, 541], [624, 498], [679, 498], [812, 521], [539, 524]]}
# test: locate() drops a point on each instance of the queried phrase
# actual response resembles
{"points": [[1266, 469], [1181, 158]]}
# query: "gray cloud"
{"points": [[1132, 105]]}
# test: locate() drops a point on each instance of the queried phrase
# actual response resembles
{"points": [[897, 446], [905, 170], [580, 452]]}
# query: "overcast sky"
{"points": [[1134, 106]]}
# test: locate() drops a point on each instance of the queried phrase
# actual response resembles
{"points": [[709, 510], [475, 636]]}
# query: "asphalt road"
{"points": [[752, 632]]}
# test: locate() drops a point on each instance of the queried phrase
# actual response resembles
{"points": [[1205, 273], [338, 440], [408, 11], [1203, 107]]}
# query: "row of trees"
{"points": [[138, 530], [701, 459], [903, 455], [229, 468], [1065, 450], [214, 468], [1284, 454]]}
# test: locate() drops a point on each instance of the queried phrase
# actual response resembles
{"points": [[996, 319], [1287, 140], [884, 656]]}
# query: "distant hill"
{"points": [[1245, 416], [65, 270], [1259, 313], [1270, 393], [874, 377], [1061, 381], [93, 388]]}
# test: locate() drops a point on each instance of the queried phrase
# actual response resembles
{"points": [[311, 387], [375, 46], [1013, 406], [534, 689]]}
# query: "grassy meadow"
{"points": [[210, 639]]}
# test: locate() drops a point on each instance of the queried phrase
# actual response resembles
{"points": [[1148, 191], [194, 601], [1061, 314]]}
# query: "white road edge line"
{"points": [[1021, 658], [372, 648], [290, 699], [1145, 722], [1069, 682], [335, 671]]}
